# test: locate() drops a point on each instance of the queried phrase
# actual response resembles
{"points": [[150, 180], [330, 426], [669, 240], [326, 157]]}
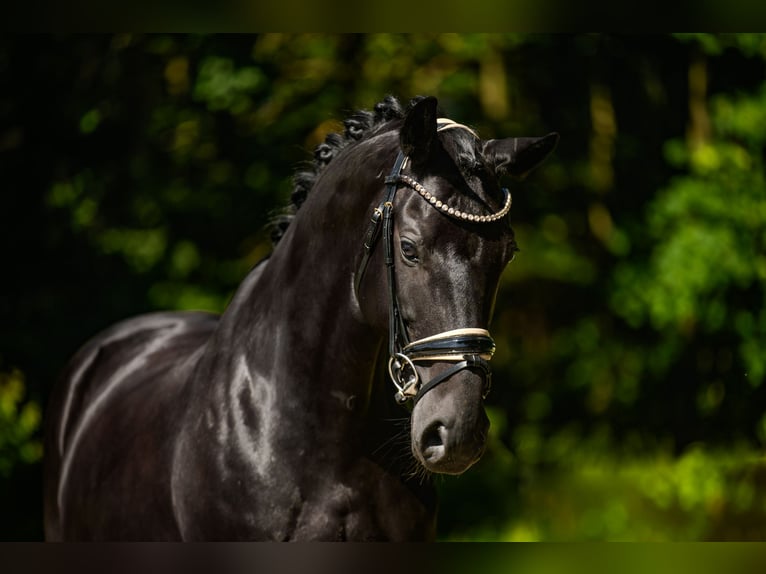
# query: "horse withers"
{"points": [[350, 364]]}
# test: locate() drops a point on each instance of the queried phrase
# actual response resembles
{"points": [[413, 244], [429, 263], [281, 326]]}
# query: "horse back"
{"points": [[117, 400]]}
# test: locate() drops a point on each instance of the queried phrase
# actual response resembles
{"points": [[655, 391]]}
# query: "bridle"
{"points": [[469, 348]]}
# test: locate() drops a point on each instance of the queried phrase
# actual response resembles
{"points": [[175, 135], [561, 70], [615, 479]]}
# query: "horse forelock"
{"points": [[461, 144]]}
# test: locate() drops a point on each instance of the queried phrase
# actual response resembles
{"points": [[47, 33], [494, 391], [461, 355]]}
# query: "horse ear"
{"points": [[519, 156], [419, 130]]}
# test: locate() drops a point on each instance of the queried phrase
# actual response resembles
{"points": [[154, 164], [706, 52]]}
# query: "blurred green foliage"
{"points": [[629, 400], [19, 424]]}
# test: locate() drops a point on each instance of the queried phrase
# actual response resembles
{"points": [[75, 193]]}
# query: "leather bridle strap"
{"points": [[373, 231], [445, 346], [468, 348], [470, 362]]}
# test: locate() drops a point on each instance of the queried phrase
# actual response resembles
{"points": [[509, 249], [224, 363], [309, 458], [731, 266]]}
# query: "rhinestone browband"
{"points": [[456, 213]]}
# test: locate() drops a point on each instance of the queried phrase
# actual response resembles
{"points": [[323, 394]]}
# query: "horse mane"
{"points": [[358, 126]]}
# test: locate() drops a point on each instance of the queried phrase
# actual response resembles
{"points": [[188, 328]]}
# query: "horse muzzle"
{"points": [[449, 424]]}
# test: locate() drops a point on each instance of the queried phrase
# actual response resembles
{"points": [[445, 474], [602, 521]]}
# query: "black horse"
{"points": [[286, 417]]}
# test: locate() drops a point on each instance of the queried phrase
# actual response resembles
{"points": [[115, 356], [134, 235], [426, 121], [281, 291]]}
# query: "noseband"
{"points": [[470, 348]]}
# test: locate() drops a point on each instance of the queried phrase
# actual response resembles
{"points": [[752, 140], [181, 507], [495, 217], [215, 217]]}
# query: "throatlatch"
{"points": [[470, 348]]}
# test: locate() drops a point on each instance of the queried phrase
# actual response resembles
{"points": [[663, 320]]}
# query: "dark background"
{"points": [[138, 173]]}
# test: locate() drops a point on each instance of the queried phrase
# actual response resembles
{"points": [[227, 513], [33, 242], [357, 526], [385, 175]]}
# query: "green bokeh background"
{"points": [[139, 171]]}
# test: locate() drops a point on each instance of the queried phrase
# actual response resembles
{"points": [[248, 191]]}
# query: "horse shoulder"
{"points": [[122, 374], [106, 362]]}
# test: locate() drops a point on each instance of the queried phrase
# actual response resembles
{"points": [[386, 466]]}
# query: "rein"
{"points": [[468, 348]]}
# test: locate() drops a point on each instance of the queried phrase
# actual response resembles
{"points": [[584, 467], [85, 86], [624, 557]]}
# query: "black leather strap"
{"points": [[457, 345], [376, 220], [470, 362]]}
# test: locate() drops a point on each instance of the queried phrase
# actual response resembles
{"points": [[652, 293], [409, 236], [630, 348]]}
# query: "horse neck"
{"points": [[295, 324]]}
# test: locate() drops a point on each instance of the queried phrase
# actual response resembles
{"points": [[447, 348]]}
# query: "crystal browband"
{"points": [[453, 212]]}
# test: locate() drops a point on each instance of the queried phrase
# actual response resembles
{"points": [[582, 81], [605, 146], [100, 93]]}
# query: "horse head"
{"points": [[445, 229]]}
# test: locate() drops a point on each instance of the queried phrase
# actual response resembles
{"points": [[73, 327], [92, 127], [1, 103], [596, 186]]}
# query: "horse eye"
{"points": [[408, 251]]}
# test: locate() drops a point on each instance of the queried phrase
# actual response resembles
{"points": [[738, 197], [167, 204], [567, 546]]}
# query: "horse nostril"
{"points": [[434, 436]]}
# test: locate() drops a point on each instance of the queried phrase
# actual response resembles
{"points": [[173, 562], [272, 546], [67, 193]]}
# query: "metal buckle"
{"points": [[406, 389]]}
